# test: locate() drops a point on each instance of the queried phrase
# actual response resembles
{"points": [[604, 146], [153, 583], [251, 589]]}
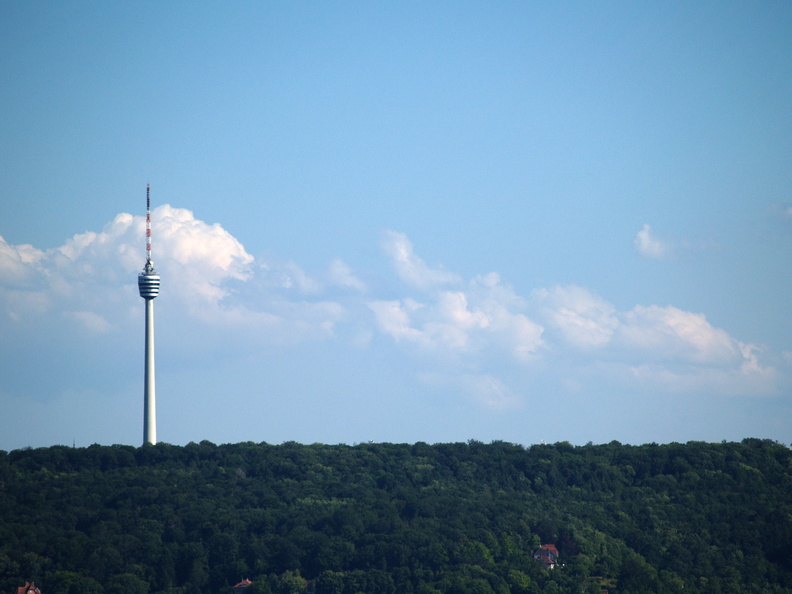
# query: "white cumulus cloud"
{"points": [[17, 263], [484, 315], [198, 258], [207, 276]]}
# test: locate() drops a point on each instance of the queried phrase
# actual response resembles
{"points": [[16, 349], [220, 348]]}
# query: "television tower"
{"points": [[148, 284]]}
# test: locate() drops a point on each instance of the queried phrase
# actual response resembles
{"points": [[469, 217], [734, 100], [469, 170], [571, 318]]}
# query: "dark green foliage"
{"points": [[388, 518]]}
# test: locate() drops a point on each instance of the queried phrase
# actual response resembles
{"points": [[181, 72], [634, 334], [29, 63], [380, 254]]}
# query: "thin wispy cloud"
{"points": [[484, 390], [410, 268], [648, 244], [340, 274], [779, 210], [581, 319]]}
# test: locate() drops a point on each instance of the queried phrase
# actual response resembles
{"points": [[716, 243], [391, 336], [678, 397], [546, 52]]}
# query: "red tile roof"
{"points": [[550, 547]]}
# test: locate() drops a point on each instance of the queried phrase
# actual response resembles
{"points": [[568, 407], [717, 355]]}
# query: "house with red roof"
{"points": [[241, 586], [28, 588], [547, 555]]}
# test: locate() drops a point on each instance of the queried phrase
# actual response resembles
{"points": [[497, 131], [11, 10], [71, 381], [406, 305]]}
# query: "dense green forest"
{"points": [[397, 518]]}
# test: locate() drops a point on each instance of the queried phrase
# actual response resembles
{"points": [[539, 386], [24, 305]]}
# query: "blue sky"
{"points": [[397, 221]]}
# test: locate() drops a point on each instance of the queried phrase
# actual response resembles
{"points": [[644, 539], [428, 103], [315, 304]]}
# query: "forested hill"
{"points": [[396, 518]]}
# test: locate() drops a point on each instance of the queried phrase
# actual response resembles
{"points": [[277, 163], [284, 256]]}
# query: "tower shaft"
{"points": [[149, 389]]}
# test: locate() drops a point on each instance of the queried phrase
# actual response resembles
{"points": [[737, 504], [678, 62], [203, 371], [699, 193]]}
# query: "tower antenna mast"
{"points": [[148, 226], [148, 285]]}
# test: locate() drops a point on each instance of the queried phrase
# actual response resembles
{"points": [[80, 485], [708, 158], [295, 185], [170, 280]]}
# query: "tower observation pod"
{"points": [[148, 285]]}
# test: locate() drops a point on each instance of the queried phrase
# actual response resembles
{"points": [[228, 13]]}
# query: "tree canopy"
{"points": [[380, 517]]}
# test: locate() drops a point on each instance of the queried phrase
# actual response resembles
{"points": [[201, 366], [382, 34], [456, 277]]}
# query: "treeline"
{"points": [[397, 518]]}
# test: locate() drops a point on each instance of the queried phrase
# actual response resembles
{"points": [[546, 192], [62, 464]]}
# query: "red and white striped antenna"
{"points": [[149, 263]]}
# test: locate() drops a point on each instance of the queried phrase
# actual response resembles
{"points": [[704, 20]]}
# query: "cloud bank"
{"points": [[476, 338], [566, 331]]}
